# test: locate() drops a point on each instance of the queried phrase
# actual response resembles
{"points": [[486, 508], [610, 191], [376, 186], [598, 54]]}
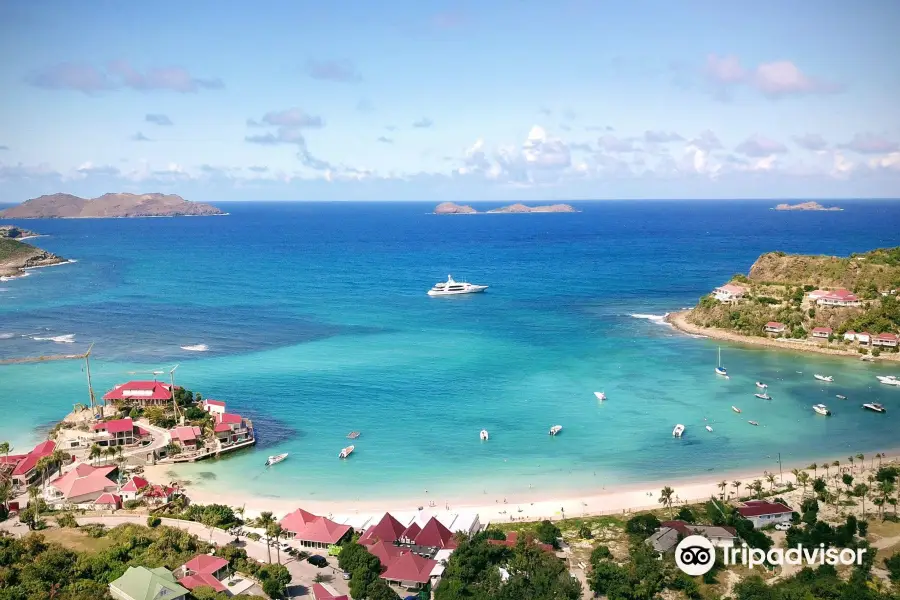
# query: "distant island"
{"points": [[15, 233], [107, 206], [16, 256], [806, 206], [451, 208], [825, 304]]}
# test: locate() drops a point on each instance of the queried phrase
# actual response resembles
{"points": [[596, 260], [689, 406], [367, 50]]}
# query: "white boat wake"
{"points": [[196, 348], [68, 338], [658, 319], [7, 336]]}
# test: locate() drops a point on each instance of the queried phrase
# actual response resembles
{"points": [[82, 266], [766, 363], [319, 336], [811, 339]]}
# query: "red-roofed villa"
{"points": [[311, 531], [411, 571], [232, 429], [762, 513], [119, 432], [141, 393], [821, 333], [187, 436], [204, 570], [24, 471], [108, 500], [132, 488], [838, 298], [81, 485], [388, 529], [213, 407], [323, 591], [885, 340], [775, 327], [729, 292]]}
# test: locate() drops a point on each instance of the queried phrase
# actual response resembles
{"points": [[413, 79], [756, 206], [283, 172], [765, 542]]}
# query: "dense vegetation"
{"points": [[31, 568], [365, 572], [10, 248]]}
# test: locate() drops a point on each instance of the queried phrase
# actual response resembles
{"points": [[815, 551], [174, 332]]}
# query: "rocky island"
{"points": [[826, 304], [67, 206], [806, 206], [450, 208], [16, 256], [15, 233]]}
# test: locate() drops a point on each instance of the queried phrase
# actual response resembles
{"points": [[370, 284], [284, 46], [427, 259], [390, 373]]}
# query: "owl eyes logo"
{"points": [[695, 555]]}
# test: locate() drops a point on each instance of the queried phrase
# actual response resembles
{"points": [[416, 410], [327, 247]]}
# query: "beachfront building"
{"points": [[141, 393], [232, 429], [671, 532], [81, 486], [22, 468], [159, 494], [864, 338], [307, 530], [213, 407], [189, 437], [323, 591], [412, 572], [388, 529], [775, 327], [133, 488], [107, 501], [885, 340], [204, 570], [762, 513], [850, 336], [729, 292], [512, 538], [839, 299], [119, 432], [822, 333], [141, 583]]}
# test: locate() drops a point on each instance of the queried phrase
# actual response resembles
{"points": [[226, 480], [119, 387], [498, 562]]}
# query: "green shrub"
{"points": [[153, 521]]}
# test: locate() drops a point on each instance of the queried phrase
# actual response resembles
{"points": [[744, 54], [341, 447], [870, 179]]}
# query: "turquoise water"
{"points": [[316, 322]]}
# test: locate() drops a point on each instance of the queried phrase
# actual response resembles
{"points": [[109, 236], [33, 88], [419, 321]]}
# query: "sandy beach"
{"points": [[679, 321], [620, 500]]}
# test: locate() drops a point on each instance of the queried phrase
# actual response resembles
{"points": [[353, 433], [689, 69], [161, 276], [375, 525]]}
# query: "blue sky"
{"points": [[451, 99]]}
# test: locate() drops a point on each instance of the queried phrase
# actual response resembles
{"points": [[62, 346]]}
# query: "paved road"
{"points": [[302, 572]]}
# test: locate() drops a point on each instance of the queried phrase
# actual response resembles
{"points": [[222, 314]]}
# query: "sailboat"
{"points": [[720, 370]]}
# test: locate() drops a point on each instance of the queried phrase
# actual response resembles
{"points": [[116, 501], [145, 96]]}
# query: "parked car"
{"points": [[345, 575], [782, 526], [318, 561]]}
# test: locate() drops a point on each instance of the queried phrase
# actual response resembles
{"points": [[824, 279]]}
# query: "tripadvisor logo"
{"points": [[695, 555]]}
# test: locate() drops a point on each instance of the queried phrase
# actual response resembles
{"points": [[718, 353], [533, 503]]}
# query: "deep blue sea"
{"points": [[314, 322]]}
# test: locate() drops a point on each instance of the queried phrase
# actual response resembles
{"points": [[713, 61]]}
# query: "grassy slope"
{"points": [[12, 249]]}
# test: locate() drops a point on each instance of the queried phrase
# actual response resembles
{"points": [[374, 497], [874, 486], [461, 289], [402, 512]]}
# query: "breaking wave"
{"points": [[196, 348], [68, 338]]}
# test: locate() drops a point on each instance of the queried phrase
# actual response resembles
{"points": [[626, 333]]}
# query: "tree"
{"points": [[264, 520], [722, 485], [757, 486], [770, 477], [548, 533], [815, 469], [862, 461], [847, 479], [95, 453], [643, 525], [860, 490], [379, 590], [665, 496], [5, 447], [803, 480], [274, 530], [686, 514], [892, 565], [737, 487]]}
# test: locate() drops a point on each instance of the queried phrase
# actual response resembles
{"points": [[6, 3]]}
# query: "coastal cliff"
{"points": [[806, 206], [450, 208], [16, 256], [67, 206], [806, 303], [15, 233]]}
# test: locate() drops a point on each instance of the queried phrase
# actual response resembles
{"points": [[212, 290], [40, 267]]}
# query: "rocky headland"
{"points": [[16, 256], [450, 208], [15, 233], [107, 206], [806, 206]]}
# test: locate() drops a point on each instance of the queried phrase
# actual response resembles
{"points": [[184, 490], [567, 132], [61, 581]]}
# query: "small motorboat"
{"points": [[708, 428], [822, 409], [753, 423], [600, 396], [484, 435], [274, 460], [346, 452], [735, 409], [874, 406], [352, 435], [761, 385], [888, 380], [867, 358], [678, 431], [763, 396], [827, 378], [841, 397], [555, 429]]}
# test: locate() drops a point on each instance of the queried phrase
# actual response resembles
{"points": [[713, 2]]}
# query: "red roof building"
{"points": [[775, 327], [81, 485], [188, 437], [435, 535], [388, 529], [108, 500], [409, 534], [24, 472], [202, 579], [512, 538], [821, 332], [133, 487], [119, 432], [205, 563], [141, 393], [762, 513], [888, 340], [313, 531], [386, 552], [159, 494], [838, 298], [323, 591], [410, 570]]}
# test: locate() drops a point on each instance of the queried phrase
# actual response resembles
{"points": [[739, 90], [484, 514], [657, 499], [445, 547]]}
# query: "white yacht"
{"points": [[346, 452], [484, 435], [454, 288], [822, 409], [888, 380], [875, 406], [827, 378], [274, 460], [763, 396], [600, 396], [735, 409], [555, 429], [708, 428], [761, 385], [678, 431]]}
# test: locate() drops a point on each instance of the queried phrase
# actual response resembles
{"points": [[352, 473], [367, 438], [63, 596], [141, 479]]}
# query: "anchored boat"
{"points": [[274, 460], [822, 409], [346, 452], [827, 378], [555, 429], [600, 396], [678, 431], [484, 435]]}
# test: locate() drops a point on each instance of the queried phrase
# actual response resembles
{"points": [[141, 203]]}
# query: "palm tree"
{"points": [[95, 453], [879, 502], [276, 531], [264, 521], [827, 467], [34, 494], [862, 461], [851, 459], [880, 455], [722, 485], [5, 494], [770, 477], [109, 452], [58, 457], [5, 447], [757, 486], [886, 489], [43, 465], [665, 496], [815, 469], [860, 490], [737, 487], [119, 452], [803, 480]]}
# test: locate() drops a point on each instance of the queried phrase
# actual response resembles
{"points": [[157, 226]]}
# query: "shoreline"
{"points": [[619, 500], [19, 272], [678, 320]]}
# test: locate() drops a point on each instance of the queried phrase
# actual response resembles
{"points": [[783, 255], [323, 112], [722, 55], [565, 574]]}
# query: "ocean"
{"points": [[312, 319]]}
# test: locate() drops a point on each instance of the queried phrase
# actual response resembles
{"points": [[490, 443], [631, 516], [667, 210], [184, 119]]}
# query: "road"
{"points": [[302, 572]]}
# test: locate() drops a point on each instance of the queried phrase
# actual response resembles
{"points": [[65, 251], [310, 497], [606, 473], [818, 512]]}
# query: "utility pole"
{"points": [[87, 367], [172, 380], [780, 474]]}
